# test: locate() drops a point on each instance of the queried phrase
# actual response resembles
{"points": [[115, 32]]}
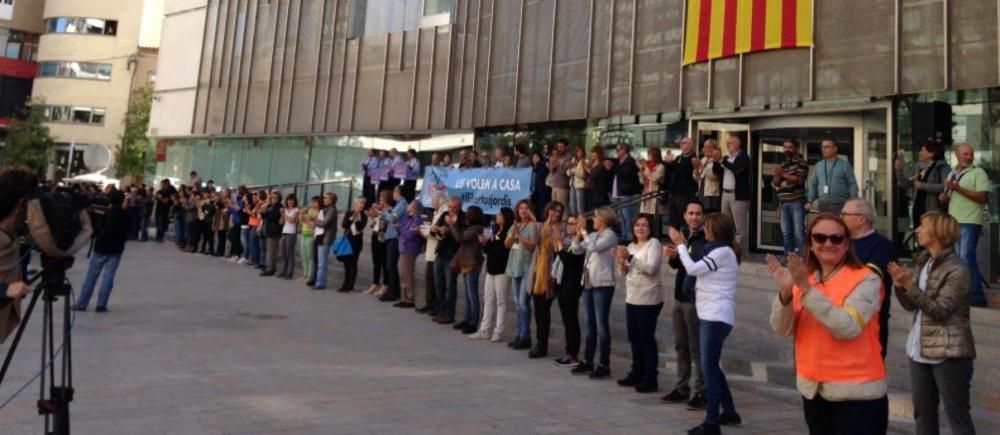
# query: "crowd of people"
{"points": [[566, 245]]}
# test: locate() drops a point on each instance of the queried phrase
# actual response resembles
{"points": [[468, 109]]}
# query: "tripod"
{"points": [[54, 403]]}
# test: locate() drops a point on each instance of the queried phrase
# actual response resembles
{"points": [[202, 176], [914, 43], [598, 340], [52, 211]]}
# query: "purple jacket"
{"points": [[410, 241]]}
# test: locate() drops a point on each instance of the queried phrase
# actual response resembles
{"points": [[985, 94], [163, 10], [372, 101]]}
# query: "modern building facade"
{"points": [[280, 82], [92, 54], [20, 27]]}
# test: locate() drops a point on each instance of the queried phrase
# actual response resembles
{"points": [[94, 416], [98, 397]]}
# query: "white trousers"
{"points": [[494, 304]]}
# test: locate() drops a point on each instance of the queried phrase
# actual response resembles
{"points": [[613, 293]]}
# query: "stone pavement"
{"points": [[197, 345]]}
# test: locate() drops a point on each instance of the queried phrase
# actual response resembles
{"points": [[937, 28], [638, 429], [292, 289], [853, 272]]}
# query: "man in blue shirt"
{"points": [[832, 182], [412, 172]]}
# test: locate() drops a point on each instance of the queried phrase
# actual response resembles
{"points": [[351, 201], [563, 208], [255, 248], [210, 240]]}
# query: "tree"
{"points": [[28, 141], [132, 157]]}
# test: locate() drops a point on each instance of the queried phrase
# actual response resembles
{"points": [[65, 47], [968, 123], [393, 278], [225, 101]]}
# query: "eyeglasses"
{"points": [[846, 214], [821, 239]]}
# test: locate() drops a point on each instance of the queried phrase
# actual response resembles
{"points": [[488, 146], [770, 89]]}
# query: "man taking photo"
{"points": [[15, 185]]}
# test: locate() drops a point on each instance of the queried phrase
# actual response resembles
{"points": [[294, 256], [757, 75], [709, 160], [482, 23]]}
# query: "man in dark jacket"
{"points": [[108, 248], [685, 315], [875, 251], [164, 199], [626, 183], [736, 188], [683, 186], [446, 276]]}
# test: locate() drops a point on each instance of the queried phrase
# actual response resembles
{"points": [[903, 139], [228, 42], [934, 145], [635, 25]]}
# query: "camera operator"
{"points": [[15, 186], [108, 247]]}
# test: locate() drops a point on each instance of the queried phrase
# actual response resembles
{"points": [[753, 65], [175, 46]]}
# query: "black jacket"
{"points": [[741, 169], [572, 277], [627, 175], [497, 253], [357, 240], [114, 232], [448, 246], [270, 218], [682, 182], [695, 243]]}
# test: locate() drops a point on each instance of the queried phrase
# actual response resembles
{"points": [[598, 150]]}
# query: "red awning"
{"points": [[18, 68]]}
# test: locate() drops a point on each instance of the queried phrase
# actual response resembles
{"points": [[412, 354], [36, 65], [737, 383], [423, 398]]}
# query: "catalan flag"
{"points": [[722, 28]]}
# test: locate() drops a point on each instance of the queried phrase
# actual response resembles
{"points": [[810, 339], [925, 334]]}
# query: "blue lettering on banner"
{"points": [[487, 188]]}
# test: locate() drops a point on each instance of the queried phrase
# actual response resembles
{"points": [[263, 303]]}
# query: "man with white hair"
{"points": [[967, 191], [875, 251]]}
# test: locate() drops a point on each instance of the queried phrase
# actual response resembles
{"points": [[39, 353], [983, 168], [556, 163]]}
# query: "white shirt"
{"points": [[913, 339], [319, 231], [715, 290], [643, 285], [291, 224], [728, 177]]}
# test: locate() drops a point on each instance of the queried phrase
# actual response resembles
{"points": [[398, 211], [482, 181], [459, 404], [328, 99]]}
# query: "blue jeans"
{"points": [[253, 247], [522, 300], [967, 244], [793, 226], [713, 336], [246, 238], [98, 263], [392, 267], [179, 227], [322, 256], [598, 304], [472, 298], [262, 249], [626, 215], [446, 280]]}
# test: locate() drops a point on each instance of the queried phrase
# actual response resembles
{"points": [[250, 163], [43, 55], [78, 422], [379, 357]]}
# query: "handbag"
{"points": [[342, 248]]}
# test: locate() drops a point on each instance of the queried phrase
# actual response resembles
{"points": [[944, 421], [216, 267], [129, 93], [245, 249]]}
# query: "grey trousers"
{"points": [[272, 253], [288, 254], [687, 346], [740, 211], [948, 382]]}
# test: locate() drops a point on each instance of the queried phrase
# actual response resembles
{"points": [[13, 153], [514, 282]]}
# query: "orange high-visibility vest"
{"points": [[821, 357]]}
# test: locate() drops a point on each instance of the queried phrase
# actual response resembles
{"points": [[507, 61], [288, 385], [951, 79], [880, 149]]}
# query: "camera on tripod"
{"points": [[58, 223]]}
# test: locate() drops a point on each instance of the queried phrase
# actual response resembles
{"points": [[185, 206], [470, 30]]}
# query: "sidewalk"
{"points": [[196, 345]]}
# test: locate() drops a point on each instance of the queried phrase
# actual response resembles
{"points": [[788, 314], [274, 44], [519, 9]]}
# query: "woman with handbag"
{"points": [[640, 263], [497, 283], [354, 228], [468, 261], [410, 245], [326, 233], [380, 275], [522, 241], [543, 291]]}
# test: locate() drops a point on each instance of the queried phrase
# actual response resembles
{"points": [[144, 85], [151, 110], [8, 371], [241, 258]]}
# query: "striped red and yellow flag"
{"points": [[721, 28]]}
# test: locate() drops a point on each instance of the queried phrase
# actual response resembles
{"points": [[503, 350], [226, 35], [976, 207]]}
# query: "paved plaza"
{"points": [[196, 345]]}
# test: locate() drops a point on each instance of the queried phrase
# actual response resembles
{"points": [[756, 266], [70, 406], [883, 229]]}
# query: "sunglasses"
{"points": [[821, 239]]}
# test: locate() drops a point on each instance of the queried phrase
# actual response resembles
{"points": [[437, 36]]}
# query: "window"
{"points": [[18, 45], [86, 26], [378, 17], [80, 70], [73, 114]]}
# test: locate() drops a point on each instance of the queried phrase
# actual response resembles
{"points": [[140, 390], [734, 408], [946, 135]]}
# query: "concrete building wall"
{"points": [[120, 50], [27, 16], [290, 67], [177, 69]]}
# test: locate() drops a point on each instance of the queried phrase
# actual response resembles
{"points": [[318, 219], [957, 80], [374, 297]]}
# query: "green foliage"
{"points": [[28, 142], [134, 155]]}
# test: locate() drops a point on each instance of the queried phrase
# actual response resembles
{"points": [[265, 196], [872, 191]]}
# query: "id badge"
{"points": [[826, 190]]}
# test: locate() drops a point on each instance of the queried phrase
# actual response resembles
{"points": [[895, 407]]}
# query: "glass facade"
{"points": [[85, 26], [77, 70], [378, 17]]}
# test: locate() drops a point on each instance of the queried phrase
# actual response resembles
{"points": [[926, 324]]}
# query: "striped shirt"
{"points": [[787, 190]]}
